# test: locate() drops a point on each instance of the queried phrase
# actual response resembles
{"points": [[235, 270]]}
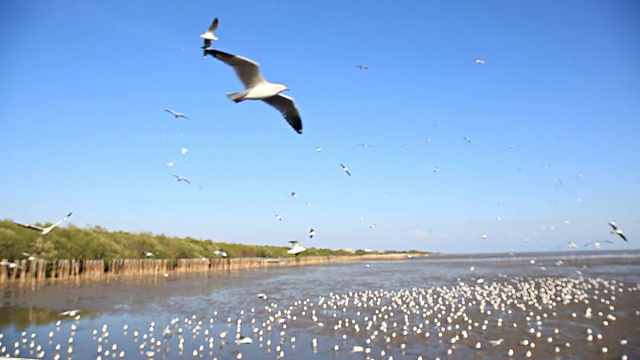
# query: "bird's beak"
{"points": [[285, 89]]}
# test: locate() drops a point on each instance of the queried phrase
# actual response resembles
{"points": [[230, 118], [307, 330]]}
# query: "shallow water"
{"points": [[386, 307]]}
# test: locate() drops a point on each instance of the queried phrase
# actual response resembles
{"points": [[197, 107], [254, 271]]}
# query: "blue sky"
{"points": [[553, 116]]}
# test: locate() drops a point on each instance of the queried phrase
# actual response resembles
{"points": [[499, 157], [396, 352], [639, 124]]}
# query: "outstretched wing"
{"points": [[248, 71], [288, 109]]}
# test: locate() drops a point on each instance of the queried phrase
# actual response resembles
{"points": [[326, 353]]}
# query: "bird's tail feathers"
{"points": [[237, 96]]}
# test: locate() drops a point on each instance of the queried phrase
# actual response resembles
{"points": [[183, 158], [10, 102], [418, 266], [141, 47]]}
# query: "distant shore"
{"points": [[45, 271]]}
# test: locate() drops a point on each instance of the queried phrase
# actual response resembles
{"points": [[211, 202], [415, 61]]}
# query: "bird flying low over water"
{"points": [[617, 231], [598, 244], [257, 88], [221, 253], [42, 230], [573, 245], [345, 169], [182, 178], [176, 114], [209, 34], [296, 248]]}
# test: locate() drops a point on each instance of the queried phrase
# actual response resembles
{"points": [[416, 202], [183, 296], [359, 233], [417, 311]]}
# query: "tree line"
{"points": [[72, 242]]}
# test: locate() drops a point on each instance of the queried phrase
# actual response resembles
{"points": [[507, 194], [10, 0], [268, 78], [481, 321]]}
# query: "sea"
{"points": [[563, 305]]}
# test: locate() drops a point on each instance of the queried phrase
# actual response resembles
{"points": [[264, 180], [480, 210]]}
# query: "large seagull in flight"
{"points": [[257, 88]]}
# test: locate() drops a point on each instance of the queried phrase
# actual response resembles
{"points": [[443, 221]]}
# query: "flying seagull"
{"points": [[209, 35], [598, 244], [345, 169], [617, 231], [257, 88], [176, 114], [295, 248], [480, 61], [182, 178], [278, 217], [312, 233], [44, 231], [362, 67], [221, 253]]}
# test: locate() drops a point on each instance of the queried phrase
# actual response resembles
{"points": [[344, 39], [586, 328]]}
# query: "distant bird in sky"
{"points": [[617, 231], [484, 236], [257, 88], [372, 226], [362, 67], [182, 178], [42, 230], [296, 248], [345, 169], [318, 149], [480, 61], [573, 245], [220, 252], [598, 244], [312, 233], [365, 145], [184, 150], [466, 139], [278, 217], [176, 114], [436, 169], [209, 35], [170, 163], [293, 194]]}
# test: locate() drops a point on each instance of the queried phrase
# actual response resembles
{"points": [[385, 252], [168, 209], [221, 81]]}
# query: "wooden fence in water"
{"points": [[26, 270]]}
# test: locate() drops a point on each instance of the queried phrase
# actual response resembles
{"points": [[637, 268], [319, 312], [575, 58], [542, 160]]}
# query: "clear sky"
{"points": [[553, 118]]}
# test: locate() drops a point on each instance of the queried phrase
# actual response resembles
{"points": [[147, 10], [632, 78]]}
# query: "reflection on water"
{"points": [[432, 307]]}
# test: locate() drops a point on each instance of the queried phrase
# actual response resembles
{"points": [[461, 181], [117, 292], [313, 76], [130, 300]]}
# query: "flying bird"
{"points": [[278, 217], [572, 245], [466, 139], [296, 248], [617, 231], [221, 252], [293, 194], [362, 67], [209, 35], [176, 114], [345, 169], [480, 61], [312, 233], [182, 178], [257, 88], [598, 244], [42, 230]]}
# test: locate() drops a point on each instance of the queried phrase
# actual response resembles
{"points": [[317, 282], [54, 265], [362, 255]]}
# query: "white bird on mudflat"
{"points": [[209, 35], [257, 88], [182, 178], [42, 230], [617, 231], [176, 114]]}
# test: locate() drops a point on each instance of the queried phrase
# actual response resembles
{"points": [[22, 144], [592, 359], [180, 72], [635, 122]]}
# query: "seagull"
{"points": [[617, 231], [484, 236], [312, 233], [372, 226], [362, 67], [598, 244], [278, 217], [12, 265], [182, 178], [243, 340], [293, 194], [262, 296], [176, 114], [148, 254], [365, 145], [43, 231], [209, 35], [572, 245], [318, 149], [466, 139], [29, 256], [257, 88], [480, 61], [295, 248], [221, 253], [436, 169], [345, 169]]}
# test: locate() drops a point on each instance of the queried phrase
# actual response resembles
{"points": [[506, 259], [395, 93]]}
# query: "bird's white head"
{"points": [[281, 88]]}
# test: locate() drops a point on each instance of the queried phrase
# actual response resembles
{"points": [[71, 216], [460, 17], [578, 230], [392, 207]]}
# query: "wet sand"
{"points": [[455, 308]]}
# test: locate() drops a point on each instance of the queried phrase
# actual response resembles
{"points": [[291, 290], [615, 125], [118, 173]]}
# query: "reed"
{"points": [[40, 270]]}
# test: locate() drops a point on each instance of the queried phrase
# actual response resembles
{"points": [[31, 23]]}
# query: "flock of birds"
{"points": [[511, 318]]}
